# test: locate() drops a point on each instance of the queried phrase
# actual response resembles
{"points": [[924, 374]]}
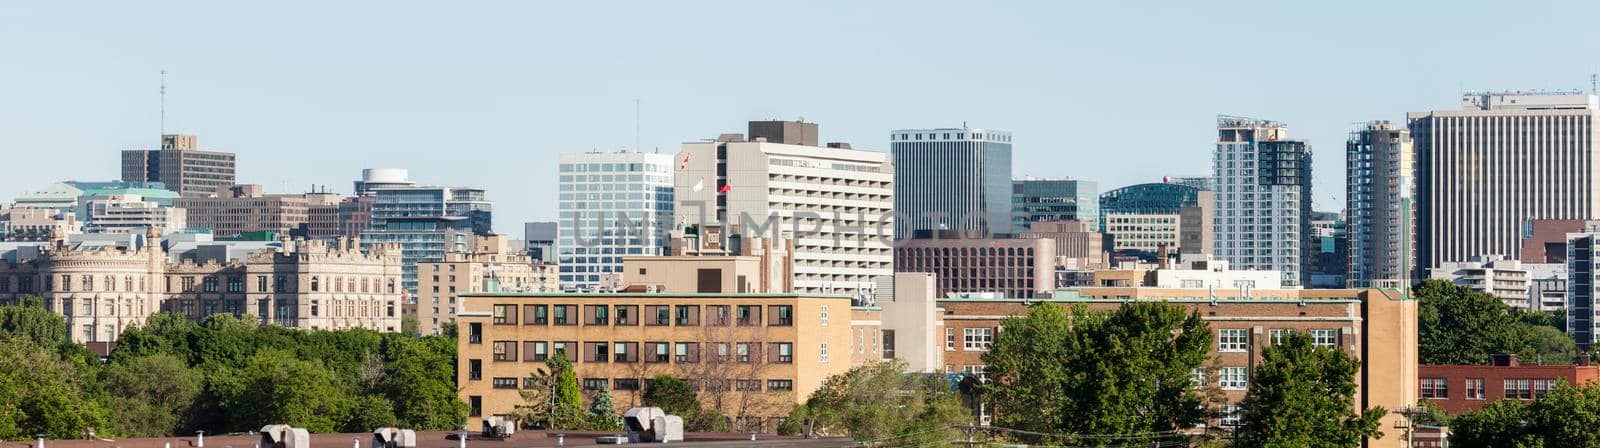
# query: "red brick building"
{"points": [[1459, 388]]}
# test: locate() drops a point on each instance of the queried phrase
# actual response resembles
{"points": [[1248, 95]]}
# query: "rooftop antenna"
{"points": [[163, 102], [1594, 84]]}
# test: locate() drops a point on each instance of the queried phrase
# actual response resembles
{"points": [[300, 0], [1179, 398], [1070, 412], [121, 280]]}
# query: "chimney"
{"points": [[839, 145], [1162, 253], [1503, 360]]}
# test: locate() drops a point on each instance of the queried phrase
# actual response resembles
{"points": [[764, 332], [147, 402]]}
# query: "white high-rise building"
{"points": [[952, 178], [130, 213], [835, 203], [1263, 198], [1500, 161], [611, 205]]}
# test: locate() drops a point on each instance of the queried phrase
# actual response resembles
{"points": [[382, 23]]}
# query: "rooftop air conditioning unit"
{"points": [[651, 424], [394, 438], [499, 427], [284, 436]]}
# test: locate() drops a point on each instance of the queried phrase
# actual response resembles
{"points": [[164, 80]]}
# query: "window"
{"points": [[658, 315], [627, 351], [594, 383], [1197, 376], [505, 383], [949, 339], [597, 351], [625, 384], [1325, 338], [784, 351], [749, 315], [209, 284], [1521, 389], [657, 352], [1277, 336], [782, 315], [1541, 387], [688, 315], [822, 353], [747, 385], [625, 314], [564, 314], [1233, 378], [505, 314], [743, 353], [888, 343], [686, 352], [1232, 340], [261, 283], [1474, 388], [822, 316], [1435, 388], [719, 314], [475, 333], [474, 369], [780, 385], [536, 351], [1230, 416], [536, 314], [978, 371], [597, 315], [977, 338], [475, 405], [505, 350]]}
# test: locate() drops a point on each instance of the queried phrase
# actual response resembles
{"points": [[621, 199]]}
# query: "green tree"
{"points": [[368, 413], [30, 320], [879, 401], [277, 387], [1301, 396], [602, 413], [566, 410], [409, 325], [1498, 424], [149, 396], [42, 394], [671, 395], [420, 374], [1461, 326], [1548, 345], [1120, 372]]}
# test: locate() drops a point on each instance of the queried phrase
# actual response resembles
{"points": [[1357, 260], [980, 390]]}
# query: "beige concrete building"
{"points": [[701, 264], [182, 166], [1078, 245], [492, 265], [130, 213], [102, 290], [751, 356], [834, 202], [245, 208], [1507, 280], [1504, 158], [36, 224], [1380, 330], [1195, 232]]}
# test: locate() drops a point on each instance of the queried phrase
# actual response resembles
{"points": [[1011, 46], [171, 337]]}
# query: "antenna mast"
{"points": [[636, 126], [163, 102]]}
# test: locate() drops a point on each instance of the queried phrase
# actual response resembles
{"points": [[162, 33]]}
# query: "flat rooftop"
{"points": [[437, 439]]}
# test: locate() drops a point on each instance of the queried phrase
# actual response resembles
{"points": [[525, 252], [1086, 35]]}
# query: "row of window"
{"points": [[972, 339], [1228, 378], [1238, 339], [1514, 388], [654, 315], [653, 352]]}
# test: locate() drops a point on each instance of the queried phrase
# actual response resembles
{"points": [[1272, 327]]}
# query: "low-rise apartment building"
{"points": [[491, 265], [1460, 388], [1369, 325], [750, 356]]}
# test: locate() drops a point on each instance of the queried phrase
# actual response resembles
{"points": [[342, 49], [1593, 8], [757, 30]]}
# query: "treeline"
{"points": [[1457, 325], [225, 375]]}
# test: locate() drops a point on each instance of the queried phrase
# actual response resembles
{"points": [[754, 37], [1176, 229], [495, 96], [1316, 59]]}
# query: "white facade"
{"points": [[1214, 274], [836, 204], [130, 213], [1505, 279], [611, 205], [1263, 198]]}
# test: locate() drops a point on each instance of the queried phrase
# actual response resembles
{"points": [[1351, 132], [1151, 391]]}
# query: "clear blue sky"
{"points": [[487, 93]]}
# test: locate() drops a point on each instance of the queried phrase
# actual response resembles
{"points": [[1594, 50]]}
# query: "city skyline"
{"points": [[91, 88]]}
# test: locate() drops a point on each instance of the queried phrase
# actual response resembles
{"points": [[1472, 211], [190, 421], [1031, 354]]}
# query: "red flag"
{"points": [[724, 189]]}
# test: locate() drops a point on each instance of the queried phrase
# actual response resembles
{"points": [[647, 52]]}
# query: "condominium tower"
{"points": [[1503, 159], [951, 179], [1263, 198], [181, 165], [425, 220], [1380, 176], [611, 205], [834, 202]]}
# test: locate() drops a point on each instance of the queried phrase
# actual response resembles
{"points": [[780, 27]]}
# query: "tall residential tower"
{"points": [[1380, 176], [951, 179], [1263, 198]]}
